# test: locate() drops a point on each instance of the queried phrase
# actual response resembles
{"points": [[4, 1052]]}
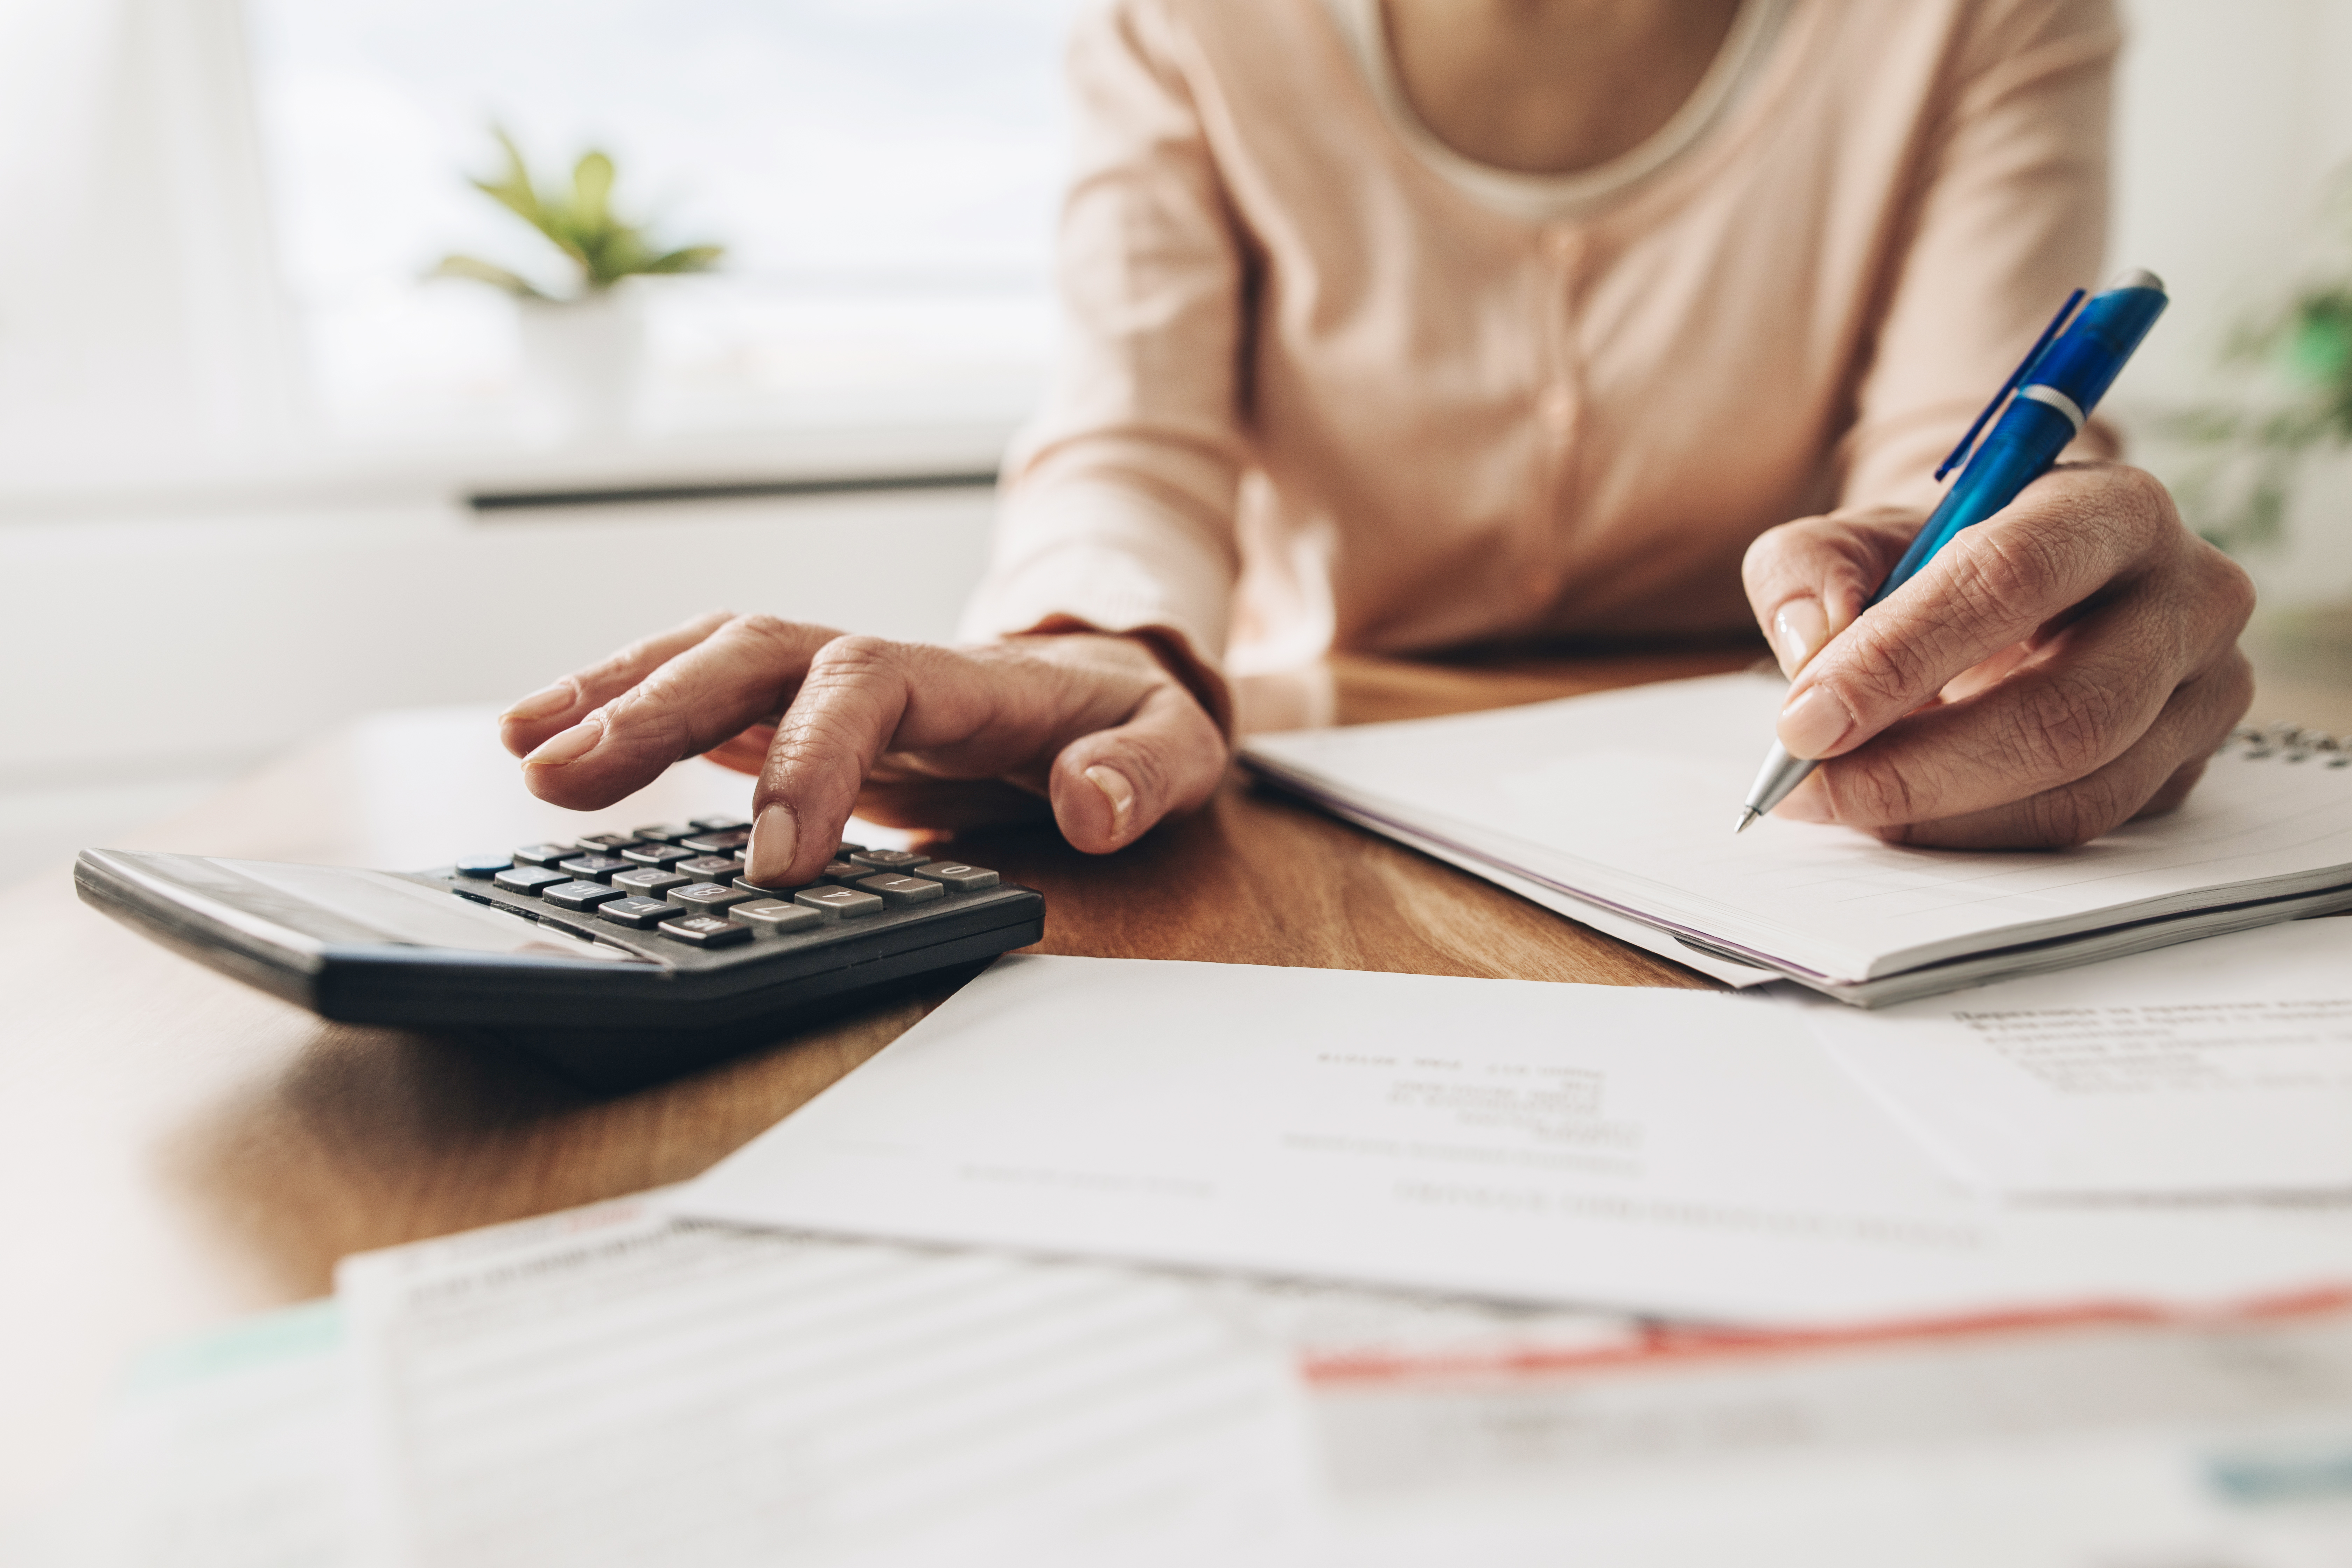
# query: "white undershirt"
{"points": [[1541, 197]]}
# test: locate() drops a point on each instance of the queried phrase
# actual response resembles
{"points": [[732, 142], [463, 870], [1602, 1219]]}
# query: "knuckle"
{"points": [[853, 659], [1870, 793], [1883, 668], [2063, 731]]}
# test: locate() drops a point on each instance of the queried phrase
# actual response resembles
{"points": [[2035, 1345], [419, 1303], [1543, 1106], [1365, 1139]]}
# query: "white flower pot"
{"points": [[582, 363]]}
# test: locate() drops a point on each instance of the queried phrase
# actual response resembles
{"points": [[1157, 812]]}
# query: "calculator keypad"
{"points": [[593, 868], [775, 917], [544, 854], [579, 894], [707, 898], [711, 868], [648, 880], [528, 879], [898, 892], [640, 914], [651, 853], [840, 903]]}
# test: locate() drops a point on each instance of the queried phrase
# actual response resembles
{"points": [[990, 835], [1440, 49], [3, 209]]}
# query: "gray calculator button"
{"points": [[640, 914], [887, 860], [656, 854], [711, 868], [706, 930], [719, 824], [846, 849], [593, 868], [669, 834], [544, 854], [580, 895], [955, 874], [717, 843], [707, 898], [648, 880], [845, 871], [528, 879], [753, 888], [482, 868], [608, 843], [774, 917], [840, 903], [901, 890]]}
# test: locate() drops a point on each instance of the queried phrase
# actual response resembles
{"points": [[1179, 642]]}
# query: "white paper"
{"points": [[2221, 1067], [1686, 1153], [1628, 797], [608, 1387]]}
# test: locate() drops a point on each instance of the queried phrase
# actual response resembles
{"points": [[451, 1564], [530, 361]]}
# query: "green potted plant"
{"points": [[583, 343]]}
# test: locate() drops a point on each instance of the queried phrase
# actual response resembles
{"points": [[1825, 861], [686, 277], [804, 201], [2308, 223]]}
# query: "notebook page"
{"points": [[1629, 797]]}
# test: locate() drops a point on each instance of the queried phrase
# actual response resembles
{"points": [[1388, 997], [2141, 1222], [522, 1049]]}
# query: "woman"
{"points": [[1401, 325]]}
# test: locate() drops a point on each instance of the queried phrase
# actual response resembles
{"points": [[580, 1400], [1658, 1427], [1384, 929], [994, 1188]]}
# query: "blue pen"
{"points": [[2060, 381]]}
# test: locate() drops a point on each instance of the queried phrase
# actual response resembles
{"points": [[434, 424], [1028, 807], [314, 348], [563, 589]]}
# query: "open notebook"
{"points": [[1624, 800]]}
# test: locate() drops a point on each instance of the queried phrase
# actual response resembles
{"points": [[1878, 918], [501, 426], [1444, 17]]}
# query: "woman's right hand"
{"points": [[910, 735]]}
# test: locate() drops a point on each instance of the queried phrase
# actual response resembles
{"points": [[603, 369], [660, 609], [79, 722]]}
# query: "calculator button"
{"points": [[845, 871], [593, 868], [528, 879], [669, 834], [840, 903], [719, 824], [608, 843], [648, 880], [579, 894], [640, 914], [717, 843], [774, 917], [706, 930], [482, 868], [750, 885], [961, 877], [711, 868], [544, 854], [887, 860], [901, 890], [707, 898], [655, 854], [845, 850]]}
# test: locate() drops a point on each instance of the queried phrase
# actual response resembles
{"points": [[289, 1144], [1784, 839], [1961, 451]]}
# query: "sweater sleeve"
{"points": [[2009, 213], [1118, 502]]}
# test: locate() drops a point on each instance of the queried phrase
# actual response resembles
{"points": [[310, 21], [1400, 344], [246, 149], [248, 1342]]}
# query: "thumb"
{"points": [[1808, 580], [1111, 786]]}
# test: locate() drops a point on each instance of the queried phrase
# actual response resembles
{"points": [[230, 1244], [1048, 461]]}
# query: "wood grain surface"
{"points": [[176, 1149]]}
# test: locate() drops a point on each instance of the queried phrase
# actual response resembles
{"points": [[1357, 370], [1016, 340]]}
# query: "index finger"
{"points": [[562, 704], [2060, 542]]}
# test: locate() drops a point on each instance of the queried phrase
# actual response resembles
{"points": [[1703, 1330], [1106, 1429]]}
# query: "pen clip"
{"points": [[2024, 368]]}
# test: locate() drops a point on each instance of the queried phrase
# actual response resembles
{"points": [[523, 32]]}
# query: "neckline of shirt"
{"points": [[1539, 198]]}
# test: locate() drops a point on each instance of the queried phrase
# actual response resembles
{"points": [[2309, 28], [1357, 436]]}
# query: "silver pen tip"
{"points": [[1747, 813]]}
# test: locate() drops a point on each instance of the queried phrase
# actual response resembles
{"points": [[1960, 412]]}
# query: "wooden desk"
{"points": [[176, 1149]]}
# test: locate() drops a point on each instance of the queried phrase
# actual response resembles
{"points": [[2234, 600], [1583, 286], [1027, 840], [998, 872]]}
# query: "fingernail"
{"points": [[1814, 723], [1799, 629], [569, 746], [544, 704], [1116, 790], [774, 836]]}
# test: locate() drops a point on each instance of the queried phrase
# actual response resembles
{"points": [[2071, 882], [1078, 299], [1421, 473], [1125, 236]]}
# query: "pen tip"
{"points": [[1747, 813]]}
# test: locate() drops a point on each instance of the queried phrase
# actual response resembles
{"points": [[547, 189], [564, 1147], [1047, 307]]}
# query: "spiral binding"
{"points": [[2289, 742]]}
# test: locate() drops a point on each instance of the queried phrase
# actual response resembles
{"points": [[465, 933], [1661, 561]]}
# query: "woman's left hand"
{"points": [[2061, 668]]}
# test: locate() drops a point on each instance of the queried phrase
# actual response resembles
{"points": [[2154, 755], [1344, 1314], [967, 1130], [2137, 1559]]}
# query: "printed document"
{"points": [[2221, 1067], [1685, 1153]]}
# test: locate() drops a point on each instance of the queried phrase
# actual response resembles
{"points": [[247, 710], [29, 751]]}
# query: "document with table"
{"points": [[1692, 1154], [1611, 799]]}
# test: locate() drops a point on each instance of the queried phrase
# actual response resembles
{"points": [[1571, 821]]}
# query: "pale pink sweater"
{"points": [[1321, 388]]}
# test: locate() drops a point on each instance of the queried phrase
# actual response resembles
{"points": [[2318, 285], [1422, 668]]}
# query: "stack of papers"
{"points": [[1623, 804]]}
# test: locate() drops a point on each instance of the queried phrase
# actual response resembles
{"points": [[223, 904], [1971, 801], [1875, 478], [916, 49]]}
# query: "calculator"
{"points": [[621, 958]]}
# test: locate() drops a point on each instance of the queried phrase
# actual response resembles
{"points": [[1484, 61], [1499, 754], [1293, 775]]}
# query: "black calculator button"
{"points": [[887, 860], [706, 930], [580, 895], [640, 914], [719, 824], [961, 877], [655, 854], [845, 871], [482, 868], [593, 868], [750, 885], [669, 834], [711, 868], [717, 843], [609, 842], [528, 879], [901, 890], [774, 917], [840, 903], [647, 879], [544, 854], [847, 850], [708, 898]]}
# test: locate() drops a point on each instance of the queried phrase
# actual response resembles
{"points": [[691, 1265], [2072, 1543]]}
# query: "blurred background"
{"points": [[259, 472]]}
